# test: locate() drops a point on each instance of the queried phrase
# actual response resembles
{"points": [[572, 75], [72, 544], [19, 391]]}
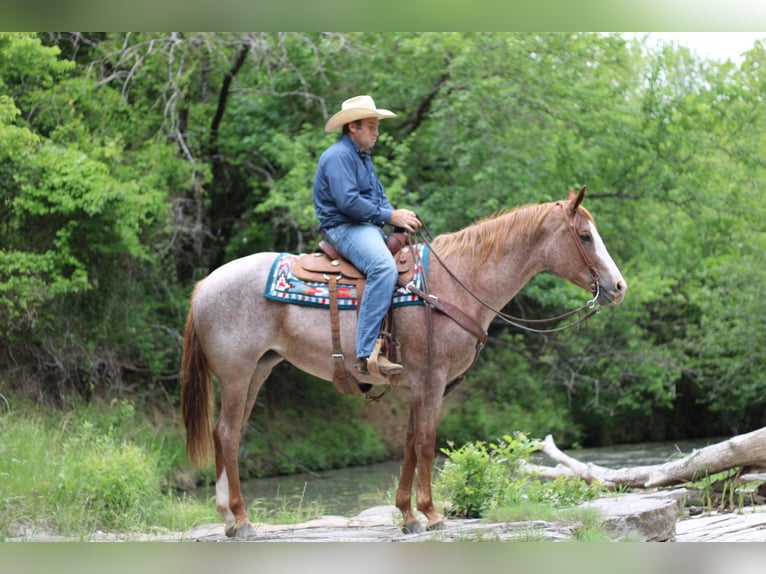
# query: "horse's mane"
{"points": [[487, 236]]}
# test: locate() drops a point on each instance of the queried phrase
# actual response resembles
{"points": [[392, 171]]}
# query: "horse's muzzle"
{"points": [[612, 293]]}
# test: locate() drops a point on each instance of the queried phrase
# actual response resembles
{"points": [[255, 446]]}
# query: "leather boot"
{"points": [[385, 367]]}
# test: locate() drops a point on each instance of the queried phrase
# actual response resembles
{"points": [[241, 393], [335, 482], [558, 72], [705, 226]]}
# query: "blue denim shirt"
{"points": [[347, 189]]}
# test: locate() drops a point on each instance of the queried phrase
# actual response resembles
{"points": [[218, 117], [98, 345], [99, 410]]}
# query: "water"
{"points": [[348, 491], [342, 492]]}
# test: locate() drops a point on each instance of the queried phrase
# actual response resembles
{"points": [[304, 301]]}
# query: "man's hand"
{"points": [[406, 219]]}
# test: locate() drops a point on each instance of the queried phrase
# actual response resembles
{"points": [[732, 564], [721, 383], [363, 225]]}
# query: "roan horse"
{"points": [[234, 332]]}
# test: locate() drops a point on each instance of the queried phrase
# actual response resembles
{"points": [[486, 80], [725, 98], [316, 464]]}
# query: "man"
{"points": [[352, 207]]}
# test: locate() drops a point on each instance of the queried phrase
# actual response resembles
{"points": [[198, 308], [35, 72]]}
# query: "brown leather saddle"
{"points": [[327, 266], [320, 267]]}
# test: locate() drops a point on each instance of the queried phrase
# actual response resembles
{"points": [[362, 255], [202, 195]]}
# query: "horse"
{"points": [[235, 333]]}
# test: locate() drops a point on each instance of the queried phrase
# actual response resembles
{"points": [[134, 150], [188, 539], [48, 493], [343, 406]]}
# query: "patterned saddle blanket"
{"points": [[284, 286]]}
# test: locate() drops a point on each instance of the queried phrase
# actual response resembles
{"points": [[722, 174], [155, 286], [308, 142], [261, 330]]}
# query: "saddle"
{"points": [[322, 266], [327, 266]]}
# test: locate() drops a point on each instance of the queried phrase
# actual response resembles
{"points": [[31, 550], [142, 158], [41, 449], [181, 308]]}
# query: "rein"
{"points": [[591, 305]]}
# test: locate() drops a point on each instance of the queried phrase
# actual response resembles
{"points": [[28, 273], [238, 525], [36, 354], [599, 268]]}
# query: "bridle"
{"points": [[521, 323], [595, 287]]}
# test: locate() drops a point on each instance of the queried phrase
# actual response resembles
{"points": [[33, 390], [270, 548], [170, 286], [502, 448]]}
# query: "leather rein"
{"points": [[591, 305]]}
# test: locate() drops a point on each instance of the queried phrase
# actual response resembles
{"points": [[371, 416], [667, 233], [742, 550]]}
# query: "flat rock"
{"points": [[746, 525], [636, 516], [382, 524], [652, 516]]}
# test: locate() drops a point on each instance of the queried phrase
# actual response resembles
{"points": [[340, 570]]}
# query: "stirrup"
{"points": [[372, 360], [374, 366]]}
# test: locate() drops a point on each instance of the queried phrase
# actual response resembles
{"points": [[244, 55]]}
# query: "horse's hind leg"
{"points": [[237, 400], [228, 495]]}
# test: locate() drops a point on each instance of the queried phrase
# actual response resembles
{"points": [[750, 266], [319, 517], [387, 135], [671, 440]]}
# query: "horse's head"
{"points": [[582, 257]]}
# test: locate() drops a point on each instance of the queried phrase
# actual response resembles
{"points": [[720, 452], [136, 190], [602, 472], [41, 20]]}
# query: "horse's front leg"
{"points": [[410, 523], [425, 447], [419, 454]]}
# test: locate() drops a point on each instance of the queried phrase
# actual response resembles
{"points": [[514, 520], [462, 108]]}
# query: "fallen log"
{"points": [[746, 452]]}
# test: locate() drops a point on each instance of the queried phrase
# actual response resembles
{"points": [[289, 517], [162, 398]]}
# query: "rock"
{"points": [[745, 525], [652, 516], [636, 516], [382, 524]]}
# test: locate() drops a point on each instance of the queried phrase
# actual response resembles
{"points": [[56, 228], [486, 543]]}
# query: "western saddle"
{"points": [[327, 266]]}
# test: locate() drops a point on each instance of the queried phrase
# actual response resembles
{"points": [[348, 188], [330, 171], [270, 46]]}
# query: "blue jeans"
{"points": [[364, 245]]}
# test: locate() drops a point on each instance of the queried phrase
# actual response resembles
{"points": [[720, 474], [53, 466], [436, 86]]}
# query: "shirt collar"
{"points": [[353, 145]]}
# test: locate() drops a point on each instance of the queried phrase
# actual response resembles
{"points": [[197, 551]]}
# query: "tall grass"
{"points": [[89, 468]]}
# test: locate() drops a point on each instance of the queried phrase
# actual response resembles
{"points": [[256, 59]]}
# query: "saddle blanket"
{"points": [[283, 286]]}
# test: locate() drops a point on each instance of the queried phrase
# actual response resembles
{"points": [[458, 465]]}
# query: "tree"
{"points": [[72, 232], [138, 162]]}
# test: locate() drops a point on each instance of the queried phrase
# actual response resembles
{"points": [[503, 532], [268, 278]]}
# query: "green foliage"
{"points": [[289, 204], [14, 139], [504, 389], [88, 468], [478, 478], [285, 512], [279, 445], [138, 162], [726, 345], [723, 491], [339, 446], [113, 483], [75, 265], [27, 64]]}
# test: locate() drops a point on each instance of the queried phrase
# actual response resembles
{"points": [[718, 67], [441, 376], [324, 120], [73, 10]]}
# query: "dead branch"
{"points": [[745, 451]]}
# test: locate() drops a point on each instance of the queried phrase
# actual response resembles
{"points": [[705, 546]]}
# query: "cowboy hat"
{"points": [[356, 108]]}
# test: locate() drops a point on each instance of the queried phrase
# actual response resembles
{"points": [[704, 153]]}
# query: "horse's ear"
{"points": [[575, 199]]}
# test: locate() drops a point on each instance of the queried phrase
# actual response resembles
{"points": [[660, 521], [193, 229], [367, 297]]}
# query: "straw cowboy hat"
{"points": [[356, 108]]}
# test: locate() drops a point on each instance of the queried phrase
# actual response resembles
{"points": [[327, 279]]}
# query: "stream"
{"points": [[348, 491]]}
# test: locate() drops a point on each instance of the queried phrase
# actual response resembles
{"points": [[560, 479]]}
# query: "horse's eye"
{"points": [[585, 237]]}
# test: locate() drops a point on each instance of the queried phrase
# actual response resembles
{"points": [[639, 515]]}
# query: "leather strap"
{"points": [[345, 383], [455, 313], [392, 346]]}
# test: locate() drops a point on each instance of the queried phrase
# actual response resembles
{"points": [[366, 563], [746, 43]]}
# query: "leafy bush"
{"points": [[479, 478]]}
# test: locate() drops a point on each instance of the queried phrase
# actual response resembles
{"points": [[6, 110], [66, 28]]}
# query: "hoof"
{"points": [[242, 530], [436, 526], [413, 527]]}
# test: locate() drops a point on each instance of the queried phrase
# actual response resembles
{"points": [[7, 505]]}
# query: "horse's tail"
{"points": [[196, 396]]}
